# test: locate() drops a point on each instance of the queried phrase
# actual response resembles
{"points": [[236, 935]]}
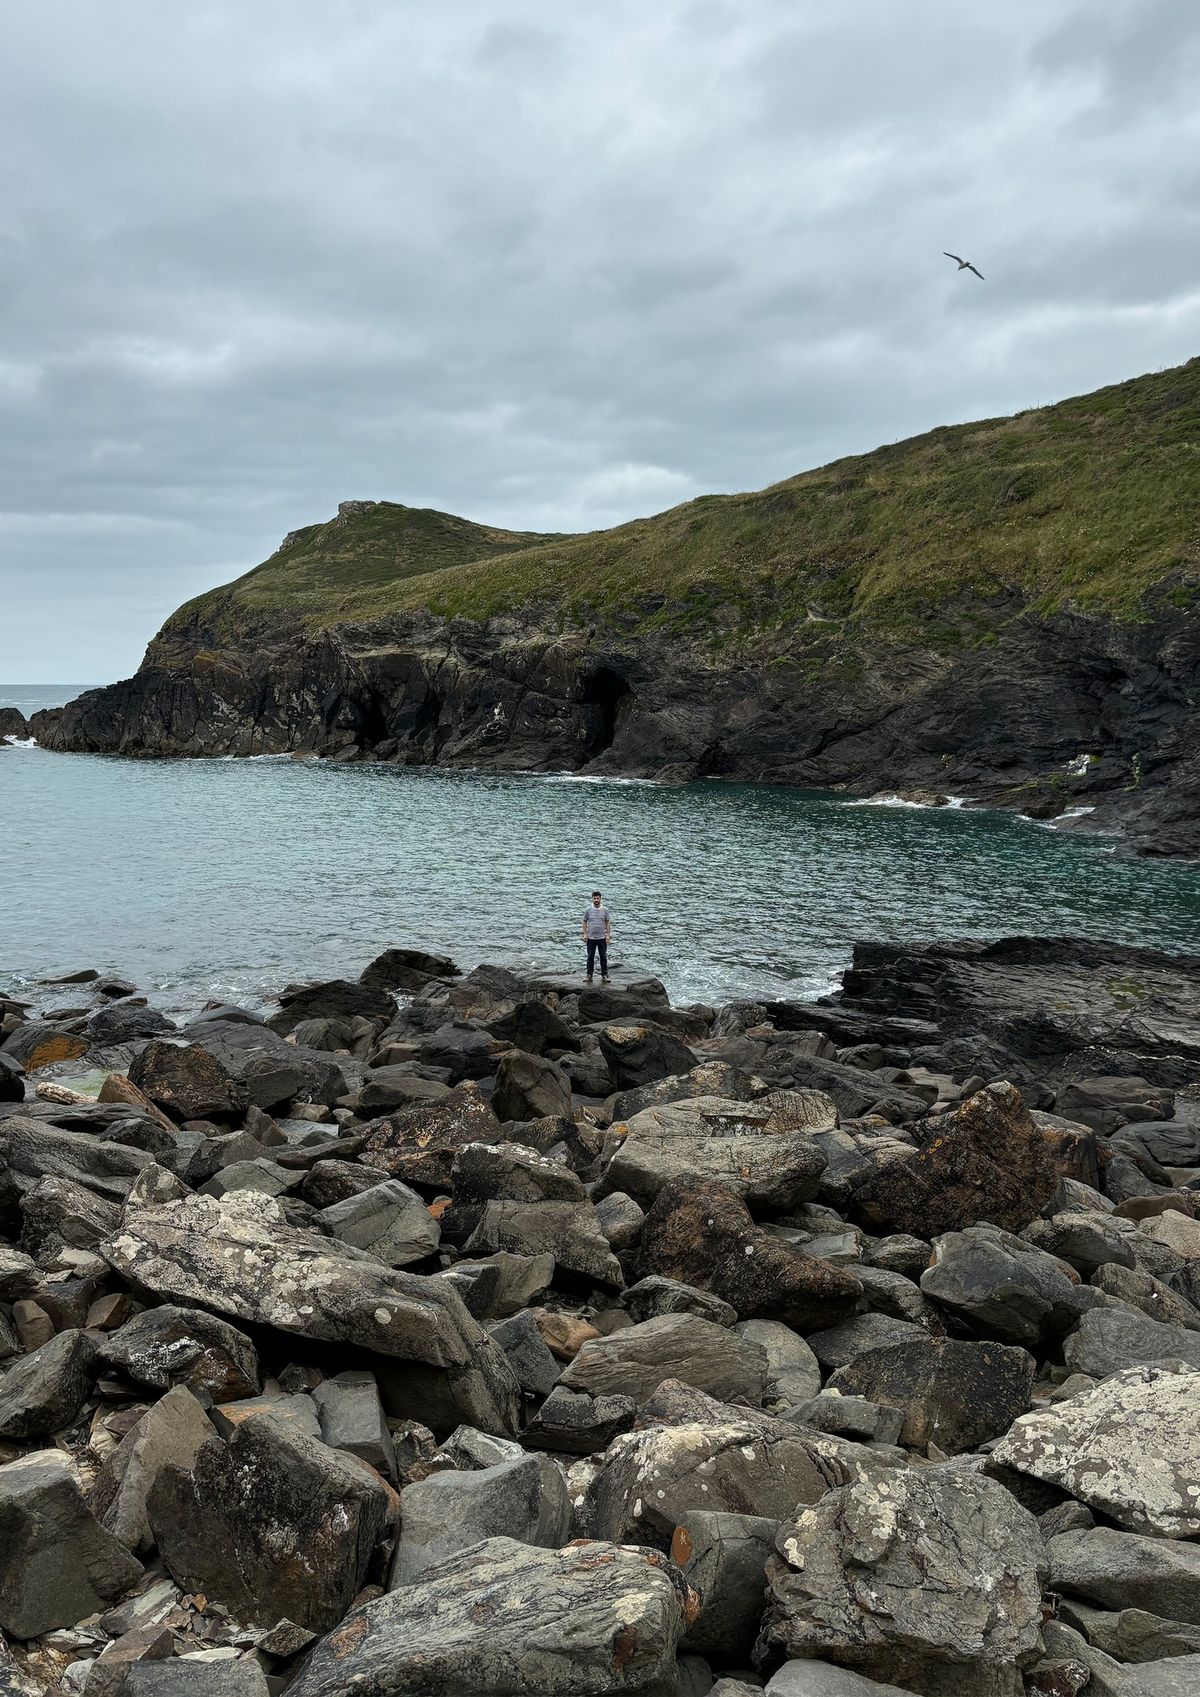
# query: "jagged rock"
{"points": [[33, 1151], [710, 1078], [1130, 1449], [1120, 1570], [513, 1282], [1110, 1339], [124, 1022], [953, 1394], [270, 1523], [58, 1211], [1131, 1635], [569, 1231], [392, 1087], [46, 1390], [336, 998], [407, 969], [853, 1417], [639, 1054], [419, 1145], [506, 1172], [793, 1371], [530, 1088], [238, 1256], [35, 1045], [505, 1620], [170, 1433], [331, 1181], [19, 1274], [525, 1499], [933, 1579], [655, 1295], [168, 1346], [579, 1424], [890, 1293], [536, 1369], [187, 1083], [703, 1235], [861, 1334], [725, 1557], [1002, 1286], [57, 1563], [984, 1161], [352, 1419], [635, 1361], [533, 1025], [760, 1150], [271, 1072], [389, 1221], [1085, 1240]]}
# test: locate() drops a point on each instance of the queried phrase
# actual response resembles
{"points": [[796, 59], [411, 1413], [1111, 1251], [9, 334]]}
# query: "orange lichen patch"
{"points": [[345, 1639], [681, 1546], [623, 1646], [439, 1205], [61, 1047]]}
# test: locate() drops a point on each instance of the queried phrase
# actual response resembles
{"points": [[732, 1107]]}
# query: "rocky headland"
{"points": [[1003, 611], [442, 1334]]}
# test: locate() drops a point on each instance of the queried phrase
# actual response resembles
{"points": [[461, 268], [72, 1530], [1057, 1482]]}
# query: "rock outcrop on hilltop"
{"points": [[331, 1362]]}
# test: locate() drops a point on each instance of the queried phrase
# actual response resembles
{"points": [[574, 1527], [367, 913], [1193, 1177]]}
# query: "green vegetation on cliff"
{"points": [[1091, 503]]}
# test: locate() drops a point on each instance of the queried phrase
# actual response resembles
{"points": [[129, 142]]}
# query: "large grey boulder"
{"points": [[389, 1221], [504, 1620], [641, 1054], [1109, 1339], [352, 1419], [44, 1391], [793, 1371], [57, 1563], [187, 1082], [825, 1679], [1120, 1570], [270, 1523], [419, 1144], [271, 1072], [170, 1433], [930, 1579], [633, 1362], [569, 1231], [32, 1150], [725, 1557], [525, 1499], [952, 1393], [238, 1255], [1002, 1286], [168, 1346], [761, 1150], [530, 1088], [1130, 1449], [195, 1676]]}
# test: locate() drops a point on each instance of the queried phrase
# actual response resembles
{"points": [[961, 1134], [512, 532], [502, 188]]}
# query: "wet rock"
{"points": [[57, 1563], [504, 1620], [984, 1161], [270, 1523], [45, 1391], [168, 1346], [1110, 1339], [170, 1433], [932, 1579], [1130, 1449], [1119, 1570], [389, 1221], [530, 1088], [187, 1083], [525, 1499], [953, 1394], [639, 1054], [724, 1556], [35, 1045], [1002, 1286], [656, 1295], [124, 1022], [419, 1145], [703, 1235], [12, 1078], [793, 1371], [576, 1423], [352, 1419], [634, 1362], [760, 1150], [239, 1257]]}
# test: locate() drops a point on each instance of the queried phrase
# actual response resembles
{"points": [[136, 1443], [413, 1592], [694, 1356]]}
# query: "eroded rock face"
{"points": [[985, 1161], [932, 1580], [952, 1393], [187, 1083], [1130, 1449], [504, 1620], [238, 1255], [419, 1144]]}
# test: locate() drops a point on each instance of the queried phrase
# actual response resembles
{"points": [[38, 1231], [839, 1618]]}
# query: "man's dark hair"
{"points": [[595, 893]]}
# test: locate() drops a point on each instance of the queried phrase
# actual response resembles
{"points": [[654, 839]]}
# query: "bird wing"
{"points": [[978, 273], [954, 256]]}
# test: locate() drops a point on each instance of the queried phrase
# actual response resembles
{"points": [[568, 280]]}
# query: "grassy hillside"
{"points": [[1092, 502]]}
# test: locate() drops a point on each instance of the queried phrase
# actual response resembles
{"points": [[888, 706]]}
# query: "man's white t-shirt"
{"points": [[596, 920]]}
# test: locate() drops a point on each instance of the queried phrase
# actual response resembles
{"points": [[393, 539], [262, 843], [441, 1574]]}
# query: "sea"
{"points": [[230, 878]]}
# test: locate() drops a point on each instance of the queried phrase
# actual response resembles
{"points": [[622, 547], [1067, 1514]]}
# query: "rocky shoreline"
{"points": [[487, 1335]]}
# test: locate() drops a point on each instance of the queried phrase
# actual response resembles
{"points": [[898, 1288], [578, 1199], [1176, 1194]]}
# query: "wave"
{"points": [[588, 778], [892, 800], [21, 742]]}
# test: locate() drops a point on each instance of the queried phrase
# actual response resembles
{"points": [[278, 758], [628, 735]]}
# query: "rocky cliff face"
{"points": [[1047, 716]]}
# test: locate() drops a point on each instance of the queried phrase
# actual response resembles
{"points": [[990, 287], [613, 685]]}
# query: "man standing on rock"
{"points": [[597, 934]]}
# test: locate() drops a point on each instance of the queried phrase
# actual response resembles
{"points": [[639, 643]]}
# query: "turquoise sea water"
{"points": [[224, 877]]}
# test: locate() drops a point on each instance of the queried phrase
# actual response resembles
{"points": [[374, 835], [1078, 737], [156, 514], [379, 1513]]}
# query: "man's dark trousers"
{"points": [[594, 944]]}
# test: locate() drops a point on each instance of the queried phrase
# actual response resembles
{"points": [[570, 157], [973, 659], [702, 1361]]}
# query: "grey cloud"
{"points": [[553, 268]]}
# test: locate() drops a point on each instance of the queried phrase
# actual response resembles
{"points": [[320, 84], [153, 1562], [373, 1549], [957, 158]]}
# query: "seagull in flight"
{"points": [[965, 265]]}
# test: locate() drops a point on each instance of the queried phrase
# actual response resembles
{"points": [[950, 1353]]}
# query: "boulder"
{"points": [[634, 1361], [525, 1499], [1129, 1449], [1110, 1339], [504, 1620], [406, 969], [724, 1556], [270, 1523], [12, 1078], [530, 1088], [37, 1044], [124, 1022], [336, 998], [997, 1284], [640, 1054], [196, 1675], [187, 1082], [1120, 1570], [1106, 1103], [710, 1078], [931, 1579], [391, 1087], [45, 1391], [239, 1256], [861, 1334], [576, 1423], [271, 1072], [793, 1371], [352, 1419], [655, 1295], [57, 1211], [389, 1221], [32, 1150], [1177, 1232], [984, 1161], [569, 1231], [533, 1025], [1085, 1239], [529, 1357], [460, 1050], [952, 1393], [760, 1150], [419, 1144], [168, 1346], [702, 1234], [826, 1679], [170, 1433], [621, 1220]]}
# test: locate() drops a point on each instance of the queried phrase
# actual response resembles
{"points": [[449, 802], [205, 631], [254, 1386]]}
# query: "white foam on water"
{"points": [[891, 800], [21, 742], [587, 778]]}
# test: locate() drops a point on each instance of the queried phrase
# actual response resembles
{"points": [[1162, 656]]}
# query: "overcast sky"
{"points": [[548, 266]]}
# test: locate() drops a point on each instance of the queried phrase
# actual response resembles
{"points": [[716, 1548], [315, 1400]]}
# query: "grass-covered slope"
{"points": [[1093, 503]]}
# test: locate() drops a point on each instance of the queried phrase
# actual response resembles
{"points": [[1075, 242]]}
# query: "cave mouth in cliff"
{"points": [[607, 691]]}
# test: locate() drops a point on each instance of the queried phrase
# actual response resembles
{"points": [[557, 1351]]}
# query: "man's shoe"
{"points": [[606, 979], [589, 978]]}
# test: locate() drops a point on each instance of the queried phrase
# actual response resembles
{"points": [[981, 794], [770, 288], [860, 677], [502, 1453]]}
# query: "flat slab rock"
{"points": [[1130, 1449], [237, 1255], [635, 1361], [952, 1393], [503, 1619]]}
